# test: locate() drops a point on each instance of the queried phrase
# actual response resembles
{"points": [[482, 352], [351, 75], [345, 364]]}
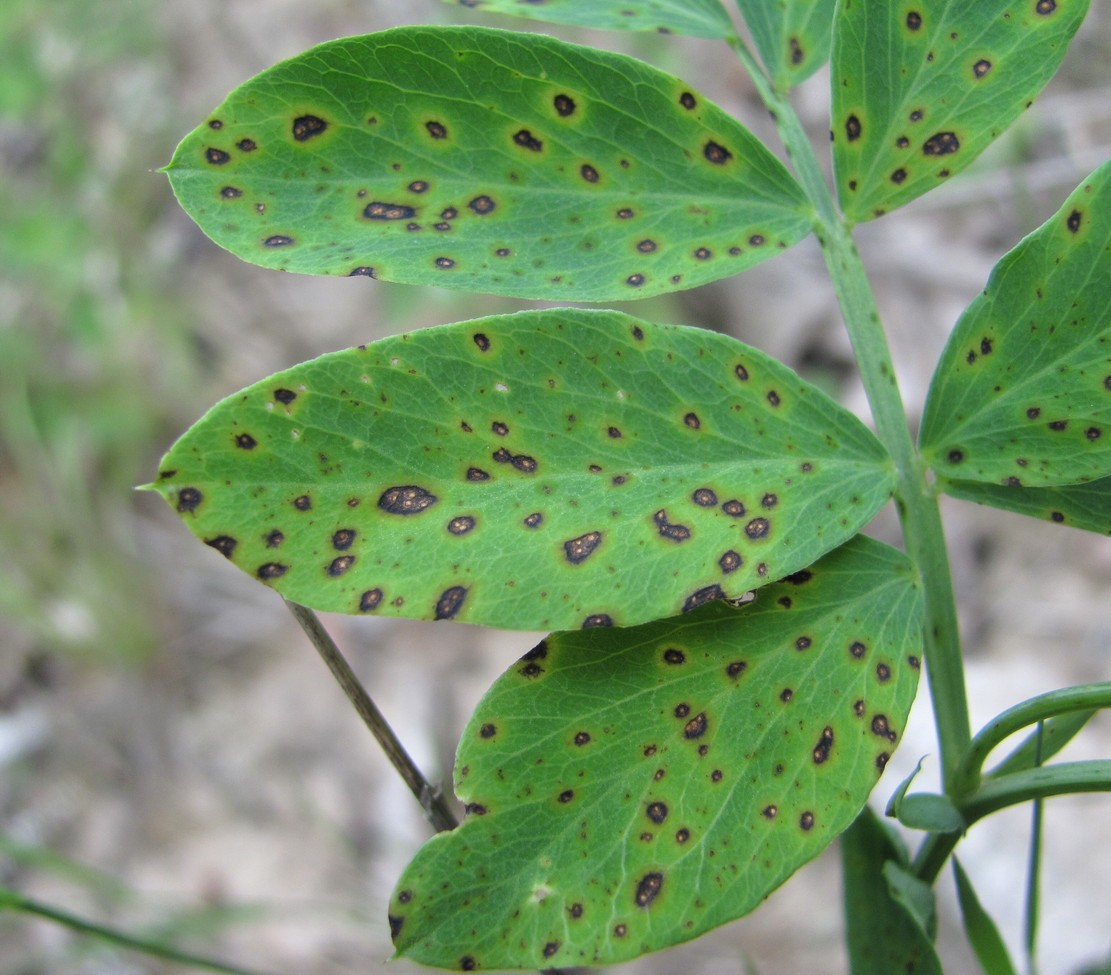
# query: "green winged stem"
{"points": [[547, 470], [1022, 394], [695, 18], [630, 789], [792, 36], [485, 160], [921, 89]]}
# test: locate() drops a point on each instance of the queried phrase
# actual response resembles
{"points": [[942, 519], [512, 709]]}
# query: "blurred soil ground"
{"points": [[174, 760]]}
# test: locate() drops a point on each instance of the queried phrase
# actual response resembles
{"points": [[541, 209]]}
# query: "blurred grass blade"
{"points": [[1086, 506], [486, 160], [1022, 394], [982, 933], [921, 89], [629, 789], [695, 18], [546, 470], [882, 935], [792, 36]]}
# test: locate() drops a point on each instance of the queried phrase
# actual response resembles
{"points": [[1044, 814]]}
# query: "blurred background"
{"points": [[174, 759]]}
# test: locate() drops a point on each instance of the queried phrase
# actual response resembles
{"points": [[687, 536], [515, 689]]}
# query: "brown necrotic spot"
{"points": [[797, 54], [786, 694], [707, 594], [246, 145], [302, 503], [734, 508], [857, 649], [730, 561], [716, 775], [914, 662], [188, 499], [859, 707], [757, 528], [582, 738], [343, 539], [657, 812], [370, 600], [769, 500], [696, 727], [635, 280], [461, 525], [898, 176], [466, 963], [500, 428], [955, 456], [619, 930], [981, 68], [614, 433], [677, 533], [941, 144], [274, 538], [449, 602], [272, 570], [579, 549], [703, 253], [523, 463], [704, 497], [769, 812], [736, 668], [822, 748], [436, 129], [527, 140], [646, 246], [883, 673], [246, 442], [564, 105], [692, 421], [307, 126], [597, 619], [648, 888], [1073, 221], [482, 205], [230, 193], [881, 760], [589, 173], [388, 211], [880, 726], [217, 157], [806, 821], [406, 499], [481, 341], [682, 710], [852, 128], [803, 643], [278, 240], [285, 396], [716, 153], [533, 520], [1057, 425], [418, 186], [224, 544], [674, 656], [444, 263], [551, 948], [1045, 7], [362, 272], [773, 397], [625, 213], [1093, 433], [914, 20], [1057, 516], [338, 566], [682, 835], [687, 100], [487, 730]]}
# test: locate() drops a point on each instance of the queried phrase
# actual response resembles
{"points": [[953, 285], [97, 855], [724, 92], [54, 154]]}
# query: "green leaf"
{"points": [[982, 933], [1022, 394], [882, 935], [1086, 506], [920, 89], [694, 18], [924, 810], [1042, 744], [914, 896], [545, 470], [486, 160], [792, 36], [631, 789]]}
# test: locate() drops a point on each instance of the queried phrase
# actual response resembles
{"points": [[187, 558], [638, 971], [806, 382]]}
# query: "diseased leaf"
{"points": [[695, 18], [630, 789], [921, 89], [982, 933], [1086, 506], [545, 470], [490, 161], [1022, 394], [792, 36], [882, 935]]}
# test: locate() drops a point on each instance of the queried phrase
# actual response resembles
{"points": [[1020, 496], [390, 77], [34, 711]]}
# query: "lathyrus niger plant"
{"points": [[731, 663]]}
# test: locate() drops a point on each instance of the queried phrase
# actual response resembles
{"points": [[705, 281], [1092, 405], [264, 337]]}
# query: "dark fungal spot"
{"points": [[648, 888], [635, 280], [736, 668], [444, 263], [188, 499], [582, 738], [682, 710], [306, 127], [436, 129], [388, 211], [362, 272], [696, 727], [741, 372], [502, 252], [217, 157], [533, 520], [902, 143], [899, 176], [717, 154], [704, 497], [564, 105], [531, 670], [734, 508], [523, 463], [773, 397], [406, 499], [799, 578], [638, 333], [467, 964], [786, 694], [575, 910], [785, 601], [278, 240], [418, 186], [682, 835], [482, 205], [1073, 221], [806, 821], [230, 193], [579, 549], [589, 173], [730, 561], [477, 474], [879, 725], [881, 760], [1045, 7], [758, 528], [917, 115], [224, 544], [769, 500], [274, 538], [1057, 516], [914, 20], [756, 240], [852, 128], [857, 649], [370, 600], [825, 743], [674, 657], [567, 795], [475, 809], [487, 730], [1093, 433], [1057, 425], [246, 442], [527, 140], [501, 429], [481, 341], [985, 346], [449, 213], [246, 145], [941, 144], [716, 775], [707, 594], [803, 643], [769, 812], [613, 433], [396, 924], [677, 533], [460, 525], [501, 456], [619, 931], [271, 570], [539, 652], [955, 456], [657, 812], [551, 948], [883, 673], [981, 68], [692, 421], [597, 619], [797, 55], [859, 708], [343, 539], [913, 662], [687, 100], [625, 213], [338, 566], [646, 246], [215, 124], [703, 253]]}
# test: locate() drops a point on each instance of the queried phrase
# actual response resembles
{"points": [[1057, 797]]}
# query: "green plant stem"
{"points": [[916, 502], [431, 799], [1088, 697], [1033, 873], [12, 900]]}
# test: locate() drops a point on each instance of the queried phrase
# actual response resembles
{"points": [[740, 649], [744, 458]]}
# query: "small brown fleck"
{"points": [[619, 931], [527, 140], [1073, 221], [717, 154], [981, 68], [230, 193], [883, 673], [852, 128], [806, 821], [635, 280], [533, 520], [278, 240], [736, 668], [687, 100], [914, 20], [692, 421]]}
